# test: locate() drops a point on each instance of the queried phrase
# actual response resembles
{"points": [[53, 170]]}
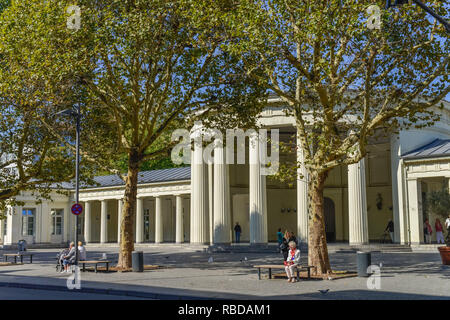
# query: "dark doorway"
{"points": [[330, 225]]}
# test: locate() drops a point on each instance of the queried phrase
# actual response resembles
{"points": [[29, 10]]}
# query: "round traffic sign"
{"points": [[77, 209]]}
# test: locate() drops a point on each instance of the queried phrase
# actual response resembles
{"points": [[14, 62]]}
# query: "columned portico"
{"points": [[222, 219], [179, 228], [119, 218], [257, 194], [140, 220], [302, 197], [87, 221], [357, 204], [199, 197], [159, 236], [104, 221], [415, 211]]}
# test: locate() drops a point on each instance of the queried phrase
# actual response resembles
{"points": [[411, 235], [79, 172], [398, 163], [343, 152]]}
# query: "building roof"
{"points": [[435, 149], [152, 176]]}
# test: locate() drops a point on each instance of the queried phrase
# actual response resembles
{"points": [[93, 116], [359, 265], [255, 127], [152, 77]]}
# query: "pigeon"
{"points": [[324, 291], [210, 259]]}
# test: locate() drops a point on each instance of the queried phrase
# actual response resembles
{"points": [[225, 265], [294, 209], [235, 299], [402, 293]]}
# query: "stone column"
{"points": [[179, 232], [159, 236], [302, 198], [257, 194], [357, 204], [398, 192], [415, 211], [87, 221], [140, 220], [104, 222], [119, 218], [199, 233], [2, 225], [222, 219], [211, 201]]}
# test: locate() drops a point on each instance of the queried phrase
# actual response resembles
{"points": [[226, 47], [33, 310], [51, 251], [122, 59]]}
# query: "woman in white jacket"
{"points": [[292, 261]]}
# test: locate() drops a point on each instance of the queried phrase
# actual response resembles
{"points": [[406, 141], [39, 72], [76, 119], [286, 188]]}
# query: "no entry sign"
{"points": [[77, 209]]}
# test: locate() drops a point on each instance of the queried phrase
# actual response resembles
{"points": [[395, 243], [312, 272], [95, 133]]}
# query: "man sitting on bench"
{"points": [[70, 258], [293, 260]]}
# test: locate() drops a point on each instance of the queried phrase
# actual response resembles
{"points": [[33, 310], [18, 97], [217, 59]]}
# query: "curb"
{"points": [[138, 294]]}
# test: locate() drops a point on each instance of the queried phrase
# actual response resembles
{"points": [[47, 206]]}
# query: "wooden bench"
{"points": [[277, 266], [15, 255], [95, 263]]}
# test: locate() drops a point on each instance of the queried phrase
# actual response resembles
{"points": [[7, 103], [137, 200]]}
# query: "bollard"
{"points": [[137, 261], [363, 261]]}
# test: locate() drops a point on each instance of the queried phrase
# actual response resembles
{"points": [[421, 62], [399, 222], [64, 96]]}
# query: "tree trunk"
{"points": [[317, 242], [128, 214]]}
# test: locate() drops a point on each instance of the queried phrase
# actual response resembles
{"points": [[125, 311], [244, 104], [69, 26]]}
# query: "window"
{"points": [[5, 226], [57, 217], [28, 222]]}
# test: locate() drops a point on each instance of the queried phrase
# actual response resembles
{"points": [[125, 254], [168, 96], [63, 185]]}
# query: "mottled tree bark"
{"points": [[128, 214], [317, 242]]}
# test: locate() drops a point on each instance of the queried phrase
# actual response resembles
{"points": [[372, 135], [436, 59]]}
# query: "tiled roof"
{"points": [[435, 149], [153, 176], [162, 175]]}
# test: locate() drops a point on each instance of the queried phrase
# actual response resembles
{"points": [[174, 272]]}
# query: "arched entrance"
{"points": [[330, 224]]}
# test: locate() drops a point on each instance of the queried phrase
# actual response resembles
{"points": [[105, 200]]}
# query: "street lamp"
{"points": [[424, 7], [75, 112]]}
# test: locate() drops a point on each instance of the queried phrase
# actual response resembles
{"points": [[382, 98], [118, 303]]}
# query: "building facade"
{"points": [[201, 204]]}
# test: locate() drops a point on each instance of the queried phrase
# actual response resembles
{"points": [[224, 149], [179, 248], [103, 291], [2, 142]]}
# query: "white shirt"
{"points": [[447, 223], [82, 251]]}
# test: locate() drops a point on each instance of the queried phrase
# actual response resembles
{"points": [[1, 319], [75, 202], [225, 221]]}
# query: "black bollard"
{"points": [[363, 261], [137, 261]]}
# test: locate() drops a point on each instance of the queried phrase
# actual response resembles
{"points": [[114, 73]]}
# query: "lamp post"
{"points": [[76, 112]]}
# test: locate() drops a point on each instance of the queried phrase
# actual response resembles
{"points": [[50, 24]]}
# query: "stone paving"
{"points": [[188, 273]]}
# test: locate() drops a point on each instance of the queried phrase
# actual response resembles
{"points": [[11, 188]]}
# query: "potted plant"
{"points": [[438, 203]]}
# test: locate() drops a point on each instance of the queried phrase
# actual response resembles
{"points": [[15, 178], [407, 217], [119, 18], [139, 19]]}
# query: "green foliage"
{"points": [[438, 203], [335, 75]]}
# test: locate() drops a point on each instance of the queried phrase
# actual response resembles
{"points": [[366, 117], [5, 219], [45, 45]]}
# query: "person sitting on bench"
{"points": [[82, 251], [293, 260], [70, 258]]}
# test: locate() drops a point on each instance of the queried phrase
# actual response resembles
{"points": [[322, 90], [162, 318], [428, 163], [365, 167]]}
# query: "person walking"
{"points": [[288, 237], [237, 231], [279, 238], [427, 231], [390, 229], [284, 246], [447, 225], [439, 229], [293, 259]]}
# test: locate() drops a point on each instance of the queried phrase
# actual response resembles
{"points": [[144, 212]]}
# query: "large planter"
{"points": [[445, 254]]}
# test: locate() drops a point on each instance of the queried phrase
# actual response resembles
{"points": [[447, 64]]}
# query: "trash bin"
{"points": [[22, 245], [137, 261], [363, 260]]}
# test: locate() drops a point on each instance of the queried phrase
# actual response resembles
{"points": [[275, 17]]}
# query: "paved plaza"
{"points": [[187, 274]]}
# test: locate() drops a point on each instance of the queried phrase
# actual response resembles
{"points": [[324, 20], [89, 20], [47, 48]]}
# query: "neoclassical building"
{"points": [[201, 204]]}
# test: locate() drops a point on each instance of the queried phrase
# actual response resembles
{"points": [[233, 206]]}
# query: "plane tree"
{"points": [[345, 70], [147, 67]]}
